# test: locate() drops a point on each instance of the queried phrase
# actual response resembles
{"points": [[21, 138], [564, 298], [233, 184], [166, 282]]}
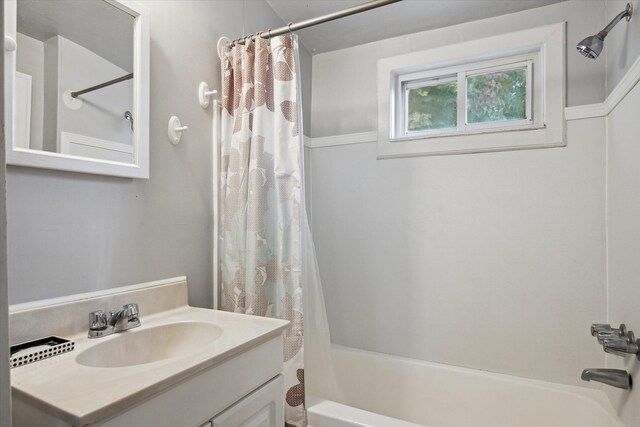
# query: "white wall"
{"points": [[623, 211], [622, 48], [102, 112], [494, 261], [71, 233], [30, 60]]}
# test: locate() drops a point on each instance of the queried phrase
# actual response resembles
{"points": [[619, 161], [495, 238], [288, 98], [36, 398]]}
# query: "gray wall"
{"points": [[71, 233], [444, 258]]}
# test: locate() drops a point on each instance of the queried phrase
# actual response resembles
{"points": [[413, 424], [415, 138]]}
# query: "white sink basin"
{"points": [[147, 345]]}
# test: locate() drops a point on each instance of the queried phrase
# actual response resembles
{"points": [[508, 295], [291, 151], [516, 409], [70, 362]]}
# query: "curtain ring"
{"points": [[269, 32], [289, 26]]}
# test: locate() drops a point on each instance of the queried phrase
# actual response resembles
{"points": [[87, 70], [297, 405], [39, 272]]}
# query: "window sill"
{"points": [[434, 135], [481, 141]]}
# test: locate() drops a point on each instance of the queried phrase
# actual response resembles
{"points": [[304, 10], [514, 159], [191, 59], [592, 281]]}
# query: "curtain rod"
{"points": [[101, 85], [318, 20]]}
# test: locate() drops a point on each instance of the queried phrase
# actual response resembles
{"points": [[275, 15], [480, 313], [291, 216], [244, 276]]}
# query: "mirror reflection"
{"points": [[74, 79]]}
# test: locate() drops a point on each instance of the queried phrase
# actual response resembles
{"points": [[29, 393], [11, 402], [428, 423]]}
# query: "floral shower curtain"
{"points": [[262, 209]]}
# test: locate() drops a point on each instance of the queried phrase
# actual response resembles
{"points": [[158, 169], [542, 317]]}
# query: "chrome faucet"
{"points": [[622, 346], [613, 377], [604, 331], [117, 321]]}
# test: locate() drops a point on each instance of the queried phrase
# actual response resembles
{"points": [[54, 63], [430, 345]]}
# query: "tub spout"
{"points": [[613, 377]]}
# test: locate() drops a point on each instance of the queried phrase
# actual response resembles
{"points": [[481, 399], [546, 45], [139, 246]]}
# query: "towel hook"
{"points": [[204, 94], [175, 129]]}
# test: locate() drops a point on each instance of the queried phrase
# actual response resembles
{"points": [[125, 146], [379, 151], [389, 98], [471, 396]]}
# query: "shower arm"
{"points": [[624, 14]]}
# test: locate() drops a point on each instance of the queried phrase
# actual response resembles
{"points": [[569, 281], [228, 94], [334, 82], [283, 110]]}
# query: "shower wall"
{"points": [[493, 261], [623, 211], [623, 202]]}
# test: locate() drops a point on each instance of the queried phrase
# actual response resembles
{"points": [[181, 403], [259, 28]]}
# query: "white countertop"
{"points": [[81, 394]]}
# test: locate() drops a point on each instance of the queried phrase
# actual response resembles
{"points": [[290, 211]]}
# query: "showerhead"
{"points": [[591, 46]]}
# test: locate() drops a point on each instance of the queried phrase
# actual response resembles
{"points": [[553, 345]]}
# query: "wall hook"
{"points": [[175, 129], [223, 43], [204, 94]]}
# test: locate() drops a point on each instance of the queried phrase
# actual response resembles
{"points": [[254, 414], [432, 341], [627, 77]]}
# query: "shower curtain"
{"points": [[267, 262]]}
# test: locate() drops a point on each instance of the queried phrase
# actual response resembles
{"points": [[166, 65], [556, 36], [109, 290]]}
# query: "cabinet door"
{"points": [[262, 408]]}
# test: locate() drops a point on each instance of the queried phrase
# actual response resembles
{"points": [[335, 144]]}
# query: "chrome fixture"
{"points": [[603, 330], [620, 341], [613, 377], [118, 320], [622, 346], [129, 116], [591, 46]]}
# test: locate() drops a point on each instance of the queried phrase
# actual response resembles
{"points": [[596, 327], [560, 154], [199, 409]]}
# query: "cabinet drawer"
{"points": [[262, 408]]}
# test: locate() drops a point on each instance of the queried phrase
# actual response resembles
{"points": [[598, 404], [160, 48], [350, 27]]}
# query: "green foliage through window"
{"points": [[498, 96], [432, 107]]}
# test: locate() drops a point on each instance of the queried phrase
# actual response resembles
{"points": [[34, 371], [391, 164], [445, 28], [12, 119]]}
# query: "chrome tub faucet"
{"points": [[613, 377], [619, 341], [101, 325]]}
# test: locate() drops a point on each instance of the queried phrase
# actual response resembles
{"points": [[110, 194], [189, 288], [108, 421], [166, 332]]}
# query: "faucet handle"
{"points": [[604, 332], [621, 346], [603, 335], [599, 327], [132, 310], [97, 320]]}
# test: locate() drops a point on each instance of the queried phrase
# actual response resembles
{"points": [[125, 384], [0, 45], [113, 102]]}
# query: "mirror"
{"points": [[80, 86]]}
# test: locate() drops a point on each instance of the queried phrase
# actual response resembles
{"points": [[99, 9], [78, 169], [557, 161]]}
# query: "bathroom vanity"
{"points": [[183, 366]]}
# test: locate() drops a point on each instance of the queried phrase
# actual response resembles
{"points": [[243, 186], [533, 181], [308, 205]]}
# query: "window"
{"points": [[470, 98], [473, 96]]}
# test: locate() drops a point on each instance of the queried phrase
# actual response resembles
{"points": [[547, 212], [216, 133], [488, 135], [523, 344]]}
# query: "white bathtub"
{"points": [[387, 391]]}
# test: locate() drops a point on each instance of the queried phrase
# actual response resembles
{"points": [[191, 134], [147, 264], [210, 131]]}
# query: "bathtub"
{"points": [[378, 390]]}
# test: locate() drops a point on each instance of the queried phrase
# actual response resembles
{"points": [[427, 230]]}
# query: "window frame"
{"points": [[532, 97], [402, 99], [541, 50]]}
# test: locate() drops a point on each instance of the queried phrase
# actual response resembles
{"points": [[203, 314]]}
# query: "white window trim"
{"points": [[544, 46]]}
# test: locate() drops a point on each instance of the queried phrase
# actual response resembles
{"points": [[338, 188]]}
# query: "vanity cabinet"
{"points": [[246, 390], [223, 369]]}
